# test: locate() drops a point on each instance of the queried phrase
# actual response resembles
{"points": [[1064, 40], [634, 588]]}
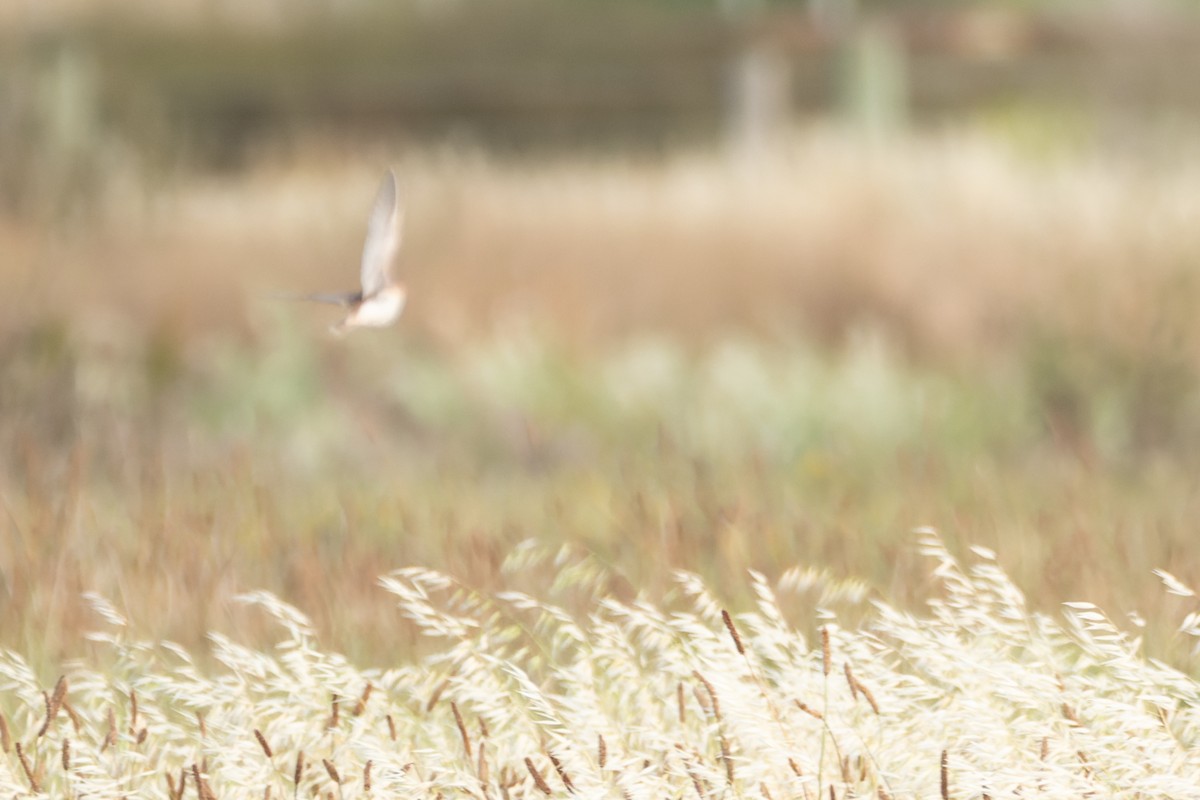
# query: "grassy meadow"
{"points": [[628, 394]]}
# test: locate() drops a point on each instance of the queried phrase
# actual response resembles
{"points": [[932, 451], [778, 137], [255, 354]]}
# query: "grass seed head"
{"points": [[76, 722], [733, 632], [807, 709], [361, 705], [174, 792], [45, 725], [462, 728], [54, 704], [866, 692], [199, 781], [712, 693], [537, 776], [335, 711], [30, 774], [110, 737], [437, 695], [826, 655], [850, 680], [562, 773]]}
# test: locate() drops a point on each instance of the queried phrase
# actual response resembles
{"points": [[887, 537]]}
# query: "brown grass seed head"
{"points": [[562, 773], [262, 742], [335, 712], [76, 722], [712, 693], [437, 694], [462, 728], [361, 705], [537, 776], [733, 632], [28, 768]]}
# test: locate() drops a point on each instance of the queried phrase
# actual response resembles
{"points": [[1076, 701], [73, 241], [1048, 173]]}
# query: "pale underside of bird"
{"points": [[381, 298]]}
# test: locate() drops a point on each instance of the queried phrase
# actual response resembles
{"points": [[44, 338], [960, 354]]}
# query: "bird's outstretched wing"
{"points": [[383, 237]]}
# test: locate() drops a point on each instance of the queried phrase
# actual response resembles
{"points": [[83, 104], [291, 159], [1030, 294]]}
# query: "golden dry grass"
{"points": [[956, 245]]}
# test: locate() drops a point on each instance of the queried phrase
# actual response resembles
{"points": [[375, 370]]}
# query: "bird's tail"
{"points": [[343, 299]]}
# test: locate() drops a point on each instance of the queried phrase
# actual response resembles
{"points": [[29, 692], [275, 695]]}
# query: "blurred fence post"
{"points": [[758, 93], [873, 94], [66, 129], [872, 67]]}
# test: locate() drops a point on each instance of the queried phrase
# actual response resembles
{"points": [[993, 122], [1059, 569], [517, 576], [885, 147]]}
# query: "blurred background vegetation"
{"points": [[693, 285]]}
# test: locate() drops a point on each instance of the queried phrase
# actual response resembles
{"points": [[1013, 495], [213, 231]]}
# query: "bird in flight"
{"points": [[381, 298]]}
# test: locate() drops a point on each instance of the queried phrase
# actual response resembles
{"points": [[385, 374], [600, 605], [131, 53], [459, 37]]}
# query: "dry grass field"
{"points": [[981, 698], [610, 370]]}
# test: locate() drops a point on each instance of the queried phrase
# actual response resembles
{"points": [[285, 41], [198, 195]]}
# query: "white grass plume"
{"points": [[1022, 703]]}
